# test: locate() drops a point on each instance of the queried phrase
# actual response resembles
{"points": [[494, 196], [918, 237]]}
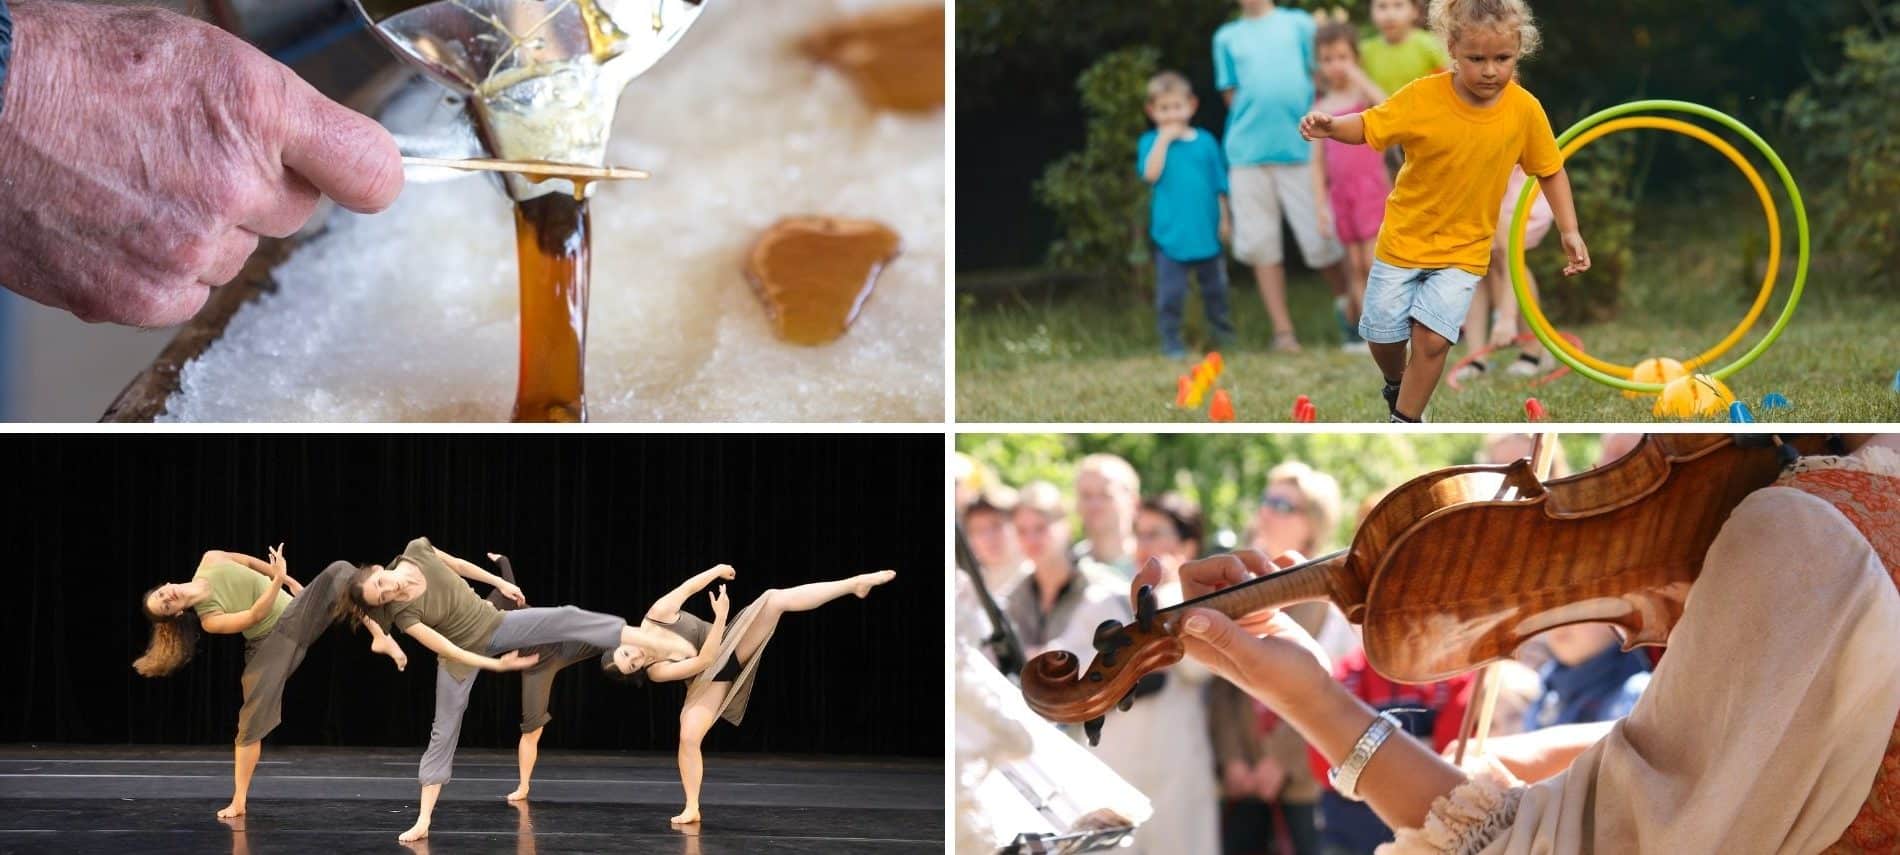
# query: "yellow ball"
{"points": [[1661, 369], [1688, 397]]}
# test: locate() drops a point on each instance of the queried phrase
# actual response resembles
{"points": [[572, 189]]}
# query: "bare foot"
{"points": [[871, 580], [234, 809], [687, 817], [416, 832], [520, 795]]}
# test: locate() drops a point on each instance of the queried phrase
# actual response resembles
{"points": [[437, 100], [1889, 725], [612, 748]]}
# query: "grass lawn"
{"points": [[1096, 357]]}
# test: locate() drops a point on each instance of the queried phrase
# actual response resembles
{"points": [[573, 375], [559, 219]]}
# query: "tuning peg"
{"points": [[1109, 637], [1145, 608], [1093, 729], [1127, 701]]}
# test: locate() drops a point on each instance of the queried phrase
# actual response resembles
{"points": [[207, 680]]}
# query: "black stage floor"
{"points": [[158, 799]]}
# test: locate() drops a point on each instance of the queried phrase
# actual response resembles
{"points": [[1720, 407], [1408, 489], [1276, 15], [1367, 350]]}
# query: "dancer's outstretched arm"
{"points": [[384, 643], [513, 660], [258, 565], [225, 624], [665, 672], [666, 608], [468, 570]]}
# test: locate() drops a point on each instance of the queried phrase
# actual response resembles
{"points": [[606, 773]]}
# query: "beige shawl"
{"points": [[1762, 729]]}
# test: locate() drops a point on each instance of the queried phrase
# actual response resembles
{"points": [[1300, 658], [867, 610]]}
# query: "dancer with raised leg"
{"points": [[236, 593], [721, 661], [424, 593]]}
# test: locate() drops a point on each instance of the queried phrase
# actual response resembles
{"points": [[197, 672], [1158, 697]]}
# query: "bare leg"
{"points": [[526, 753], [1422, 373], [421, 829], [1390, 357], [241, 770], [1361, 256], [1340, 280], [1271, 279], [696, 718], [1478, 318]]}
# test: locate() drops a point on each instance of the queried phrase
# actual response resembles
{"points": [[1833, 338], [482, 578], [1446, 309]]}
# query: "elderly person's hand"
{"points": [[142, 154]]}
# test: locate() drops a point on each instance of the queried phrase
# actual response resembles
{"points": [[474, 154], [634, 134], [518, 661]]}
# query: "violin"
{"points": [[1456, 568]]}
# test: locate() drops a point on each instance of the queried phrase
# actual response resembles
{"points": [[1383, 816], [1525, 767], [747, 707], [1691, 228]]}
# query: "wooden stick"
{"points": [[529, 167]]}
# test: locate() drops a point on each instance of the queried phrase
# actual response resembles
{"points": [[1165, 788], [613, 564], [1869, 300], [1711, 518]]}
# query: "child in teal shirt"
{"points": [[1187, 217]]}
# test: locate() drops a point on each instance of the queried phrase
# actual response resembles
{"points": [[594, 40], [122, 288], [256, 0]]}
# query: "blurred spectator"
{"points": [[1106, 491], [1299, 511], [990, 527], [1062, 601], [1162, 745], [1589, 677]]}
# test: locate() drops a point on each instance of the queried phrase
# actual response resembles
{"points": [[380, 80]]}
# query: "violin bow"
{"points": [[1491, 677]]}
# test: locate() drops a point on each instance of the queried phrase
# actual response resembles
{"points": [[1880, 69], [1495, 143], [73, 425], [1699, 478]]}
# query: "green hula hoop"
{"points": [[1522, 214]]}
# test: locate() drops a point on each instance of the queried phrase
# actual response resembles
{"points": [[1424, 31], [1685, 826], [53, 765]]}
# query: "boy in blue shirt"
{"points": [[1263, 66], [1187, 217]]}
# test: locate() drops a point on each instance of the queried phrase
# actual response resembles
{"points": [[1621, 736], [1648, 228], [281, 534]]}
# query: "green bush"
{"points": [[1849, 135], [1603, 181], [1099, 202]]}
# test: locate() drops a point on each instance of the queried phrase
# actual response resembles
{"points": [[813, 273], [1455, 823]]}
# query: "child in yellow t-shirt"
{"points": [[1462, 132]]}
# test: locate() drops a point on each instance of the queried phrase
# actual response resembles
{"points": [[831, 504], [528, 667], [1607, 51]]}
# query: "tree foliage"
{"points": [[1096, 196], [1850, 136]]}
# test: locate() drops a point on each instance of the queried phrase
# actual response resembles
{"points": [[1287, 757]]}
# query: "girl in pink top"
{"points": [[1351, 178]]}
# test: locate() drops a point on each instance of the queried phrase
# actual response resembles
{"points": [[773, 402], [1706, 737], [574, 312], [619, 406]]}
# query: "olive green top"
{"points": [[448, 606], [234, 588]]}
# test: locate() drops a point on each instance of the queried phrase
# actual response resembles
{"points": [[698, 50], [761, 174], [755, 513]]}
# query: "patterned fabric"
{"points": [[1866, 489]]}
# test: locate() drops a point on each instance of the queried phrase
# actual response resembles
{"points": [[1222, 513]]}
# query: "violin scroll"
{"points": [[1058, 689]]}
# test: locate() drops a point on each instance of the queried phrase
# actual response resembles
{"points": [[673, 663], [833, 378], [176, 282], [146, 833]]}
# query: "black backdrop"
{"points": [[604, 522]]}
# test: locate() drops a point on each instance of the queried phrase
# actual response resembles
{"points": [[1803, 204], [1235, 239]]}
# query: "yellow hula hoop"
{"points": [[1535, 313]]}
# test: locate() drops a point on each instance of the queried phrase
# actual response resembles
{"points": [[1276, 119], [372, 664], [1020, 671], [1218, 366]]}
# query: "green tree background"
{"points": [[1047, 177], [1225, 472]]}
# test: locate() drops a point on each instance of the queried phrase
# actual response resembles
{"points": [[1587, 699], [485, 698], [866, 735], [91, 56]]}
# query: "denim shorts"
{"points": [[1396, 296]]}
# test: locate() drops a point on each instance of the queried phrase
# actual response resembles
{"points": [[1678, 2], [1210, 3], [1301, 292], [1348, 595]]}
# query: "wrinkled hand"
{"points": [[387, 646], [513, 660], [1577, 252], [720, 605], [143, 153], [1316, 126], [1265, 653]]}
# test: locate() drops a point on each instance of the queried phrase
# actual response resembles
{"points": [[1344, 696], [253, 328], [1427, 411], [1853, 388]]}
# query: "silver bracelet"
{"points": [[1345, 776]]}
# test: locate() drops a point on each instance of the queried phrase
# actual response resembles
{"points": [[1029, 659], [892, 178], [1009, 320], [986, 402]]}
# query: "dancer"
{"points": [[720, 662], [537, 683], [423, 593], [236, 593]]}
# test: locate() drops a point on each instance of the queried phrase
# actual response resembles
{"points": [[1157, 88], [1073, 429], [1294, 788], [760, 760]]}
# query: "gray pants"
{"points": [[520, 629], [269, 661]]}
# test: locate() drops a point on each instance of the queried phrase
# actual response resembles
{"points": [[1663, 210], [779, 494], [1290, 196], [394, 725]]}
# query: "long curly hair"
{"points": [[174, 640], [1451, 17]]}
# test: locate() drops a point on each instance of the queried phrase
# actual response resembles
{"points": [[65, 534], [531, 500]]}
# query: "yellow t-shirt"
{"points": [[1443, 210]]}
